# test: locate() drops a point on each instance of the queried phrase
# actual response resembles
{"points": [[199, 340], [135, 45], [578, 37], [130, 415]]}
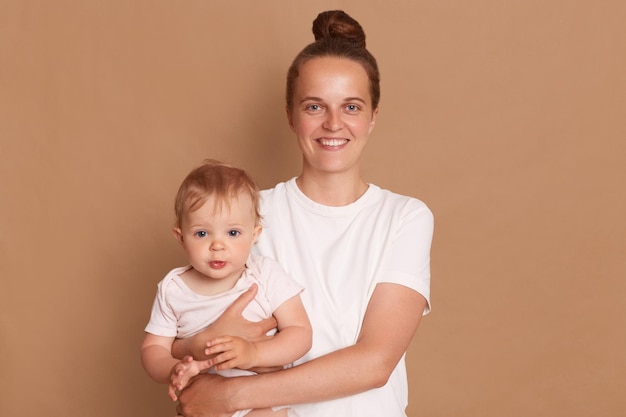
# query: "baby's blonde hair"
{"points": [[214, 178]]}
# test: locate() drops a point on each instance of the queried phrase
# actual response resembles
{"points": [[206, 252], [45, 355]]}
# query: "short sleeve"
{"points": [[162, 322], [407, 257]]}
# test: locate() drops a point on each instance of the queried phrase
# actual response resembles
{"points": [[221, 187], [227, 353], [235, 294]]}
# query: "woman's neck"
{"points": [[332, 189]]}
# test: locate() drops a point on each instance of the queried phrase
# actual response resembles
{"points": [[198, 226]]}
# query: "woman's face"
{"points": [[332, 114]]}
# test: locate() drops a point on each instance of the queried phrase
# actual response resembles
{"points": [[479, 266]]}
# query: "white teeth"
{"points": [[333, 142]]}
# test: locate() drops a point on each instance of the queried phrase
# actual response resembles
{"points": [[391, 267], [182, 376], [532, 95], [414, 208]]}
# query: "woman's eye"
{"points": [[234, 233], [201, 233]]}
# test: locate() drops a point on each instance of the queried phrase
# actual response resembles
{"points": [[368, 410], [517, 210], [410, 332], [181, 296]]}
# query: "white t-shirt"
{"points": [[179, 312], [339, 254]]}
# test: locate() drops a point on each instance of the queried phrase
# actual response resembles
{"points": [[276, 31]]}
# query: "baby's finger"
{"points": [[187, 360], [181, 366], [218, 360], [171, 391], [219, 340], [218, 348], [227, 364], [181, 381], [204, 365]]}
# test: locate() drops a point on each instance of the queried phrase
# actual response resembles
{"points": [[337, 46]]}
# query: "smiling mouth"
{"points": [[332, 142]]}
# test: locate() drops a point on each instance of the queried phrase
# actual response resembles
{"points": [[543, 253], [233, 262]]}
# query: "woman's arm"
{"points": [[231, 322], [392, 317]]}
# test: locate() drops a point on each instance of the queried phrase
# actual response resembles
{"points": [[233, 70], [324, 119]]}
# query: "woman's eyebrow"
{"points": [[313, 98], [355, 99], [310, 98]]}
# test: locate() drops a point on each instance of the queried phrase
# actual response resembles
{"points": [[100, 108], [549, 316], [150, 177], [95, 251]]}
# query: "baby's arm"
{"points": [[156, 357], [163, 368], [293, 340]]}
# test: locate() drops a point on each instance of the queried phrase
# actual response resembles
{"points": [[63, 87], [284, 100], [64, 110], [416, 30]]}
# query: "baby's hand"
{"points": [[182, 372], [231, 352]]}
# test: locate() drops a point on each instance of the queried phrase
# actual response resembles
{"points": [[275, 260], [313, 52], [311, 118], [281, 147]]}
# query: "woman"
{"points": [[362, 253]]}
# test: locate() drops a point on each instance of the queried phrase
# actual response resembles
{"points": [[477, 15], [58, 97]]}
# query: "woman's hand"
{"points": [[205, 396], [392, 317], [231, 322]]}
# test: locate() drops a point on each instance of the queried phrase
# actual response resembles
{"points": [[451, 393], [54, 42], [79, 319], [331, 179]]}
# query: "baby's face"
{"points": [[218, 238]]}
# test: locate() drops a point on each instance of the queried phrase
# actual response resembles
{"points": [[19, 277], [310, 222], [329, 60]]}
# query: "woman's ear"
{"points": [[289, 117], [178, 234]]}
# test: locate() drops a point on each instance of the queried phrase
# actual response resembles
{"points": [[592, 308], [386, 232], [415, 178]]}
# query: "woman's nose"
{"points": [[333, 121]]}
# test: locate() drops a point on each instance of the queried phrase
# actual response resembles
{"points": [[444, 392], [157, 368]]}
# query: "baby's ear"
{"points": [[257, 232], [178, 234]]}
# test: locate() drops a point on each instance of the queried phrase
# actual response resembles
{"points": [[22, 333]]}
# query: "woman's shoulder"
{"points": [[400, 208], [394, 199], [275, 199], [278, 189]]}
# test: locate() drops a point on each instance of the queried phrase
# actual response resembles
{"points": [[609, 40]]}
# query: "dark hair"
{"points": [[217, 179], [337, 35]]}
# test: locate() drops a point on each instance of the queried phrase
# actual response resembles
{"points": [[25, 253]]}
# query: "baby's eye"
{"points": [[201, 233], [234, 233]]}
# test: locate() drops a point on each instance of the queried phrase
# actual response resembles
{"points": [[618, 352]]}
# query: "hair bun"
{"points": [[334, 24]]}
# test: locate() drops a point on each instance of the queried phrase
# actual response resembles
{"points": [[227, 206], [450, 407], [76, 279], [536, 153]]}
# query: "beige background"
{"points": [[507, 117]]}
